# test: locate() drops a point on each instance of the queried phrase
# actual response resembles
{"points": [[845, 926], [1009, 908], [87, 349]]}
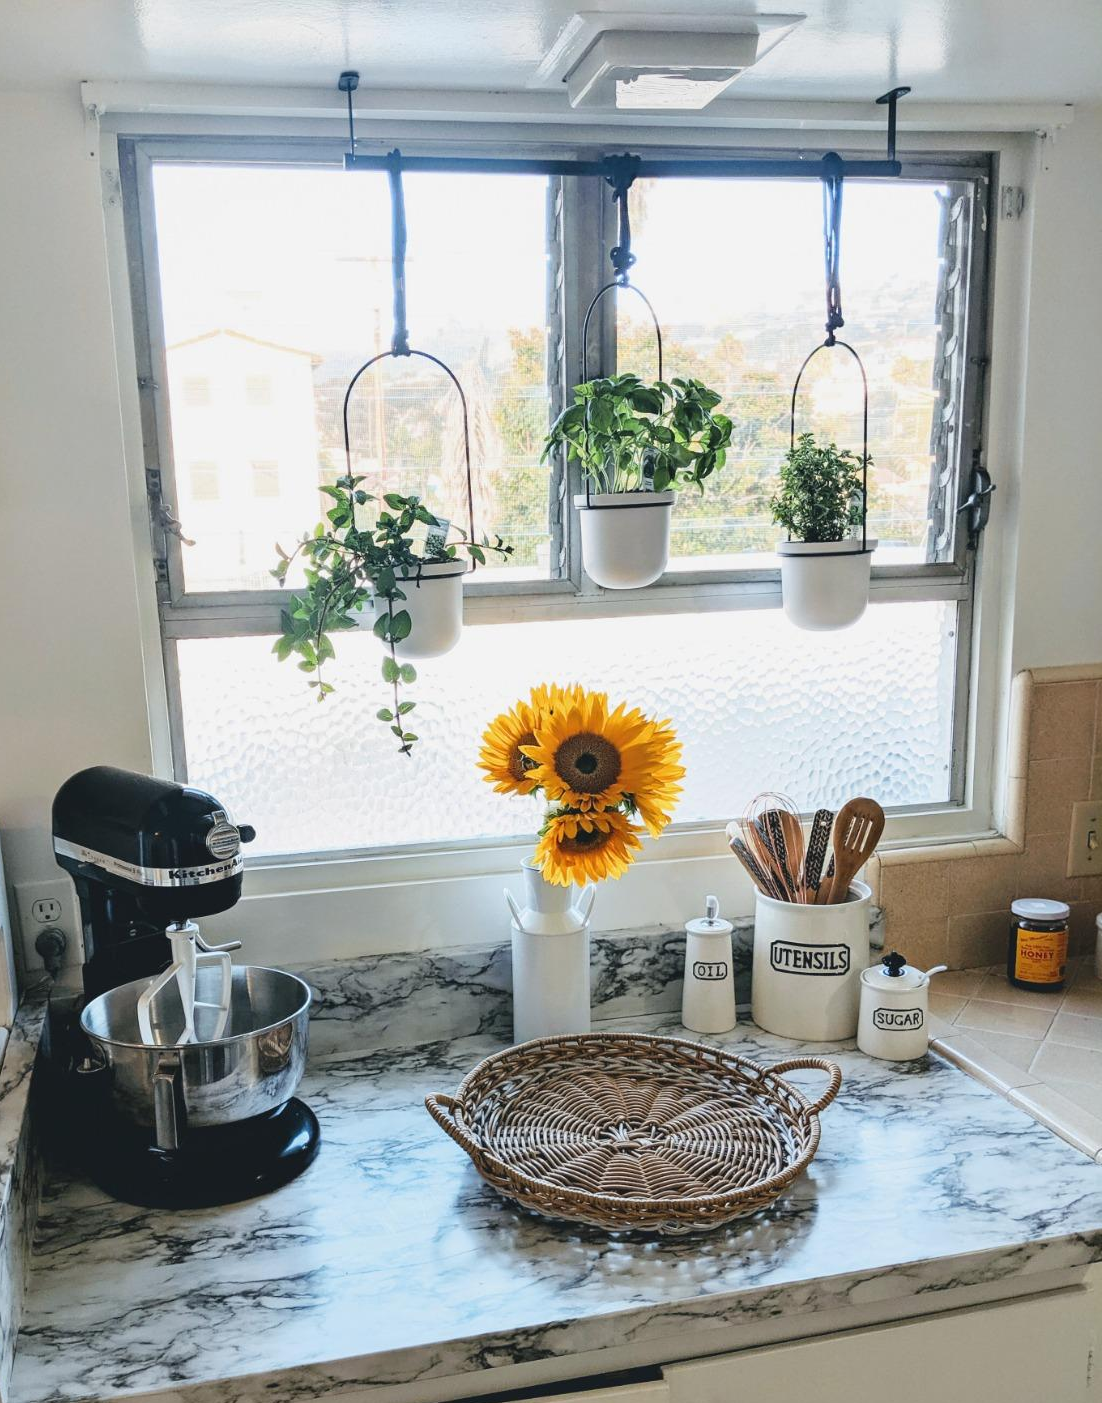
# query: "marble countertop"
{"points": [[390, 1261]]}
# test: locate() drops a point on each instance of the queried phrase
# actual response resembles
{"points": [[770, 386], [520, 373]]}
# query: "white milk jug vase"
{"points": [[550, 958]]}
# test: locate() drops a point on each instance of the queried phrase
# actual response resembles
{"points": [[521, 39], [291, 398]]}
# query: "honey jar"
{"points": [[1037, 946]]}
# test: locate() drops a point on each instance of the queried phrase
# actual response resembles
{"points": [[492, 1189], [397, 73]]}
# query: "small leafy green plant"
{"points": [[345, 567], [629, 436], [821, 495]]}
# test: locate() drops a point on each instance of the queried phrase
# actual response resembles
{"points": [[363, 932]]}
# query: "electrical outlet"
{"points": [[1085, 847], [44, 906]]}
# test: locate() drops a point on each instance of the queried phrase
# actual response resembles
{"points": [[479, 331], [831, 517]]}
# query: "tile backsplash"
{"points": [[950, 904]]}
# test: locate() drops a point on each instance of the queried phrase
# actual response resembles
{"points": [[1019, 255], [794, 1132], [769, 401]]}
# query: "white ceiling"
{"points": [[948, 50]]}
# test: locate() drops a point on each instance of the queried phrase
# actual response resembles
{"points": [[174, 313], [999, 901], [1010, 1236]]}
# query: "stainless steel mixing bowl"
{"points": [[254, 1067]]}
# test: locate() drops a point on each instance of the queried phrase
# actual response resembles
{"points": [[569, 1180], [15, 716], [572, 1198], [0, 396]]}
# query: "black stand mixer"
{"points": [[177, 1076]]}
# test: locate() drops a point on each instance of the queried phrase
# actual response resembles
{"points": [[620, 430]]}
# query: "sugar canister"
{"points": [[895, 1001]]}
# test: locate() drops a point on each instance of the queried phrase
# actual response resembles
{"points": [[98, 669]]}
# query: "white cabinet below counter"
{"points": [[1034, 1350]]}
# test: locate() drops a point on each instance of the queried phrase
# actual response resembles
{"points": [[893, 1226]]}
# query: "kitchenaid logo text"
{"points": [[790, 957], [895, 1019], [203, 874], [716, 970]]}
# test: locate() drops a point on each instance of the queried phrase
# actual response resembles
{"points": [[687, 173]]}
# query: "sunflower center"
{"points": [[587, 763], [586, 838], [519, 763]]}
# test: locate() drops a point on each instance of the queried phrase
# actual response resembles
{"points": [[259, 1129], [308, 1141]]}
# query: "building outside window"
{"points": [[203, 480], [265, 478]]}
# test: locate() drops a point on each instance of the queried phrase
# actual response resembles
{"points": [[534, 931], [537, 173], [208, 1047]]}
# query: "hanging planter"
{"points": [[625, 540], [402, 564], [634, 442], [823, 496], [433, 599]]}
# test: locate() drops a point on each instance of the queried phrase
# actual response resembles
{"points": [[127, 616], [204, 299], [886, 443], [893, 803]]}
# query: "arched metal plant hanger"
{"points": [[832, 232], [349, 573], [622, 171]]}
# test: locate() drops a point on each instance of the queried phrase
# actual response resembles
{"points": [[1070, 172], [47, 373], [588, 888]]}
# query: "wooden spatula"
{"points": [[857, 831]]}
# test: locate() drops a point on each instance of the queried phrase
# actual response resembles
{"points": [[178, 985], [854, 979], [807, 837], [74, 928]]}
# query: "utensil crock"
{"points": [[807, 966]]}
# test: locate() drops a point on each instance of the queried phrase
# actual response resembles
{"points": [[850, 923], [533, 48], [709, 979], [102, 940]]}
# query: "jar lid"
{"points": [[711, 923], [1034, 909], [893, 972]]}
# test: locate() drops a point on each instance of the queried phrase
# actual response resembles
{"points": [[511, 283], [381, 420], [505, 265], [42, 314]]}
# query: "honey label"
{"points": [[1041, 956]]}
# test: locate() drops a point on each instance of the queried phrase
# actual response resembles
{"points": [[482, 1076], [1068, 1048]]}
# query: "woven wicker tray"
{"points": [[634, 1132]]}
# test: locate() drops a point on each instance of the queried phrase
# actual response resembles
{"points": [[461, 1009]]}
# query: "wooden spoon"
{"points": [[857, 831]]}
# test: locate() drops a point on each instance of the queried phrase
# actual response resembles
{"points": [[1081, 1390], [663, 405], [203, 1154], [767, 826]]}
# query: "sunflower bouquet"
{"points": [[607, 776]]}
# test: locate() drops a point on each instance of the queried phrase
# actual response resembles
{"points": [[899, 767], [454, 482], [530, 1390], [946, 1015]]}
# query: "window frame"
{"points": [[581, 221]]}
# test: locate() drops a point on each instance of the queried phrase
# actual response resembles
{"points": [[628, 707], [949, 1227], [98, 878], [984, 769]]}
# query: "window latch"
{"points": [[978, 503], [161, 510]]}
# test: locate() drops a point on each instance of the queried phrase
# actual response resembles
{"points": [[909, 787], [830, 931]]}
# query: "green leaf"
{"points": [[404, 708], [400, 625], [391, 671], [408, 736], [384, 715], [408, 673]]}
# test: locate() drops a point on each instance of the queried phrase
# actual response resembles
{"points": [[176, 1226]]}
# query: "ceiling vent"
{"points": [[658, 62]]}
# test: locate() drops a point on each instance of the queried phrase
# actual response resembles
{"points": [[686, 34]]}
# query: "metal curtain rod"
{"points": [[603, 168]]}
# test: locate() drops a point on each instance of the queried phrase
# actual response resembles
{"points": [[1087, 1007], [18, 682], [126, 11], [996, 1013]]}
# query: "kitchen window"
{"points": [[256, 259]]}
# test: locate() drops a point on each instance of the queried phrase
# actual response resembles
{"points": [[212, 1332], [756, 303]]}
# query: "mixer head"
{"points": [[144, 854]]}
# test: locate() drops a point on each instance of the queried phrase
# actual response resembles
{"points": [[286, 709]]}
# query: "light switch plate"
{"points": [[1085, 847]]}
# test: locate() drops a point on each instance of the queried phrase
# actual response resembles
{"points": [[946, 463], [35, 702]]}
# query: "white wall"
{"points": [[71, 674], [71, 680], [1058, 601]]}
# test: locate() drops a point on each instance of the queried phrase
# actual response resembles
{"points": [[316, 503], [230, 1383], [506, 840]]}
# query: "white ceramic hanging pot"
{"points": [[625, 536], [825, 584], [550, 958], [434, 602]]}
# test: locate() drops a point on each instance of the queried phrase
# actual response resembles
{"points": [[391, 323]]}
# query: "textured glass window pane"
{"points": [[758, 705], [276, 287], [742, 315]]}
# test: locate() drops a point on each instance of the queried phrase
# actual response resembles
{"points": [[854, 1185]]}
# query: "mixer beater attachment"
{"points": [[190, 954]]}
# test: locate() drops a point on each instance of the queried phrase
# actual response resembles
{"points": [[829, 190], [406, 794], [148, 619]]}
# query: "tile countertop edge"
{"points": [[651, 1325]]}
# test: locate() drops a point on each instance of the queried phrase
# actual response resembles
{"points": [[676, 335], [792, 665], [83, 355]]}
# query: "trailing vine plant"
{"points": [[346, 566]]}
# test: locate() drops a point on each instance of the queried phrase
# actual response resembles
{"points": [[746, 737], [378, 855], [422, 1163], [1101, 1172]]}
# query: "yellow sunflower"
{"points": [[586, 847], [589, 758], [506, 767], [655, 804]]}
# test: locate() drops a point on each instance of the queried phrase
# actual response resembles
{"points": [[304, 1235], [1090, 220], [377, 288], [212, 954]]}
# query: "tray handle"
{"points": [[442, 1108], [815, 1064]]}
